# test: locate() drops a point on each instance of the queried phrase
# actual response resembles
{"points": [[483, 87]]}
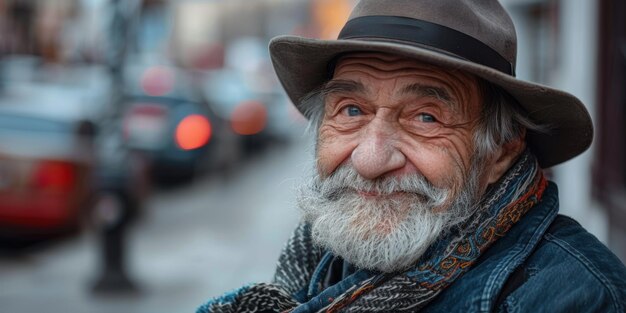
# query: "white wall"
{"points": [[576, 74]]}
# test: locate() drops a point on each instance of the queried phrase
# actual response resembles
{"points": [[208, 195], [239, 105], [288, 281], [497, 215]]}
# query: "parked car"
{"points": [[46, 152], [173, 127], [247, 93], [235, 102], [55, 160], [46, 173]]}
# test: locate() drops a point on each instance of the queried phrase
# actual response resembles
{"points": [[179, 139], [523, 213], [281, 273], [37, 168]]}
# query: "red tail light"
{"points": [[54, 176], [193, 132]]}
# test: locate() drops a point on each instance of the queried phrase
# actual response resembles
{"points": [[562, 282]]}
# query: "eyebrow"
{"points": [[430, 91], [341, 85], [420, 90]]}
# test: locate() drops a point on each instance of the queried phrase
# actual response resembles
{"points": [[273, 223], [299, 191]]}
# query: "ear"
{"points": [[504, 157]]}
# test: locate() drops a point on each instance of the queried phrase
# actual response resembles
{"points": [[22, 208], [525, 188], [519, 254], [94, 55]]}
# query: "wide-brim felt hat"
{"points": [[475, 36]]}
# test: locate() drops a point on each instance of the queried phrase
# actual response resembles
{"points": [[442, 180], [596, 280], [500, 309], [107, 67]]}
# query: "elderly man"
{"points": [[429, 193]]}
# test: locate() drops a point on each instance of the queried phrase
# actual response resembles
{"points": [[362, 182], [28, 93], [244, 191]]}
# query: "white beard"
{"points": [[388, 232]]}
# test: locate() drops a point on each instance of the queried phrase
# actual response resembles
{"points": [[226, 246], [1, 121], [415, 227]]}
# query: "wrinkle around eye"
{"points": [[432, 130], [430, 118], [337, 106], [335, 127], [347, 110], [341, 119]]}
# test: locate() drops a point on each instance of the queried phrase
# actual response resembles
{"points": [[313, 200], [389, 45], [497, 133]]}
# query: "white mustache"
{"points": [[345, 181]]}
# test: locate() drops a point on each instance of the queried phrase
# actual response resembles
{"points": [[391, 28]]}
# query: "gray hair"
{"points": [[501, 121]]}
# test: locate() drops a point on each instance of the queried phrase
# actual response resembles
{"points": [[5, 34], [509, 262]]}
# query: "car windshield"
{"points": [[31, 124], [34, 137]]}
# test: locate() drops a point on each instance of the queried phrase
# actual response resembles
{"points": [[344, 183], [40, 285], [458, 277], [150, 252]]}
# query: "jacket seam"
{"points": [[587, 264], [486, 295], [526, 248]]}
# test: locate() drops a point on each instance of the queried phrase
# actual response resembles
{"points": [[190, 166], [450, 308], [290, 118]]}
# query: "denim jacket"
{"points": [[546, 263]]}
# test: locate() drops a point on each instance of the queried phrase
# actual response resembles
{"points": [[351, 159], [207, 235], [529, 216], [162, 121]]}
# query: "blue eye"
{"points": [[353, 110], [426, 118]]}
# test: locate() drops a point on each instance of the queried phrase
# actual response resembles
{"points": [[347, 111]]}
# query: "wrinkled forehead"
{"points": [[396, 65], [372, 67]]}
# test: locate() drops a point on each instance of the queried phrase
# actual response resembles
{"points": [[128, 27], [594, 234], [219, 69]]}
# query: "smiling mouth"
{"points": [[374, 195], [398, 195], [377, 195]]}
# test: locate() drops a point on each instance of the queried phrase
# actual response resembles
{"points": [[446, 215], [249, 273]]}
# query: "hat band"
{"points": [[426, 34]]}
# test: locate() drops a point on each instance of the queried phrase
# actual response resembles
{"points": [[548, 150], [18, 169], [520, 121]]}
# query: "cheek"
{"points": [[434, 165], [443, 161], [333, 149]]}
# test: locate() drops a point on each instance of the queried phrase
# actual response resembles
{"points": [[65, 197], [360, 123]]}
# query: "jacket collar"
{"points": [[497, 264]]}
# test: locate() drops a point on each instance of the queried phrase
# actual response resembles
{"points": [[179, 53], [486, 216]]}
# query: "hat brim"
{"points": [[301, 65]]}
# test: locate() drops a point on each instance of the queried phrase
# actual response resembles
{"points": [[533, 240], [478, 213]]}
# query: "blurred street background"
{"points": [[148, 154], [196, 242]]}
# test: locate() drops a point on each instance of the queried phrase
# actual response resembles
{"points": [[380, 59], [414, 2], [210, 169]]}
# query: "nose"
{"points": [[377, 153]]}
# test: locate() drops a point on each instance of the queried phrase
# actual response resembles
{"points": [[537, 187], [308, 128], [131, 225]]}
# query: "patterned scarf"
{"points": [[453, 254]]}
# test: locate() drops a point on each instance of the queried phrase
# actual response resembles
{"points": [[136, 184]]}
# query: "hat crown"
{"points": [[484, 20]]}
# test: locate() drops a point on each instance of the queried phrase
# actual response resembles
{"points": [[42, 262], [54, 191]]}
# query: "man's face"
{"points": [[394, 159], [387, 116]]}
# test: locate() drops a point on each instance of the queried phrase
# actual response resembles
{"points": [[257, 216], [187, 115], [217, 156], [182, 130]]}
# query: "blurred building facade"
{"points": [[580, 46]]}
